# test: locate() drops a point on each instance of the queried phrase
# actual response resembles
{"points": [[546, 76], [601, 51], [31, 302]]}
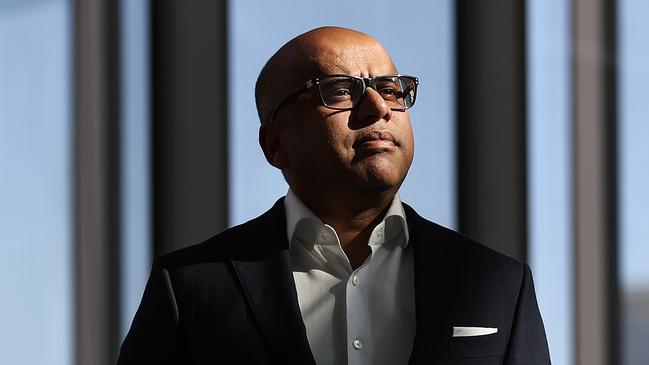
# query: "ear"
{"points": [[272, 145]]}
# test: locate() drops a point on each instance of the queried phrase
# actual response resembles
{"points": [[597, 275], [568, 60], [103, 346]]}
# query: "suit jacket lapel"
{"points": [[267, 280], [264, 270], [431, 278]]}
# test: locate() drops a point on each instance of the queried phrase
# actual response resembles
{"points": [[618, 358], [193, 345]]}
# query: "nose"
{"points": [[372, 107]]}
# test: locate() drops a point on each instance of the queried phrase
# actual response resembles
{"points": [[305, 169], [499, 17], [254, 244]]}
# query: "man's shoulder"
{"points": [[255, 238], [454, 246]]}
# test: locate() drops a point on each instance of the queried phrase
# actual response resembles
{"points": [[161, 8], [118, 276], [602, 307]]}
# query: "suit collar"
{"points": [[394, 223], [432, 276], [269, 286], [268, 283]]}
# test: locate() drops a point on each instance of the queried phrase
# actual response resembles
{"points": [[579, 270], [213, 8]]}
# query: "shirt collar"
{"points": [[393, 224]]}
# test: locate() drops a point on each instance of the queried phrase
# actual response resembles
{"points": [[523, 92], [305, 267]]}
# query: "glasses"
{"points": [[344, 92]]}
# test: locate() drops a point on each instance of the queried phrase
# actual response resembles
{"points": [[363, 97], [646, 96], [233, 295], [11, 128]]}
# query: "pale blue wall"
{"points": [[549, 169], [633, 143], [36, 231], [135, 156]]}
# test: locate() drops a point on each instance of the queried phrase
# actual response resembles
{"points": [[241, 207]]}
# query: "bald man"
{"points": [[339, 271]]}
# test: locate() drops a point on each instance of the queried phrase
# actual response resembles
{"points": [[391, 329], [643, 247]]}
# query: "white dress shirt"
{"points": [[362, 316]]}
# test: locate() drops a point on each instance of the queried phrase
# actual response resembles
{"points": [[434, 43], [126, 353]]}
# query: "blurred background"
{"points": [[128, 129]]}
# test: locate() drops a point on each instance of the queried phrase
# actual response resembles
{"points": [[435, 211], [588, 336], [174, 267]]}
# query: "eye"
{"points": [[340, 92], [389, 93]]}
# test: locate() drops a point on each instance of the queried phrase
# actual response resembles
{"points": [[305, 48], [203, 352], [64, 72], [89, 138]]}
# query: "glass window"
{"points": [[633, 78], [258, 28], [135, 133], [549, 169], [36, 264]]}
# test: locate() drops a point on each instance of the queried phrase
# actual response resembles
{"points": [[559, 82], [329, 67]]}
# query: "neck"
{"points": [[353, 216]]}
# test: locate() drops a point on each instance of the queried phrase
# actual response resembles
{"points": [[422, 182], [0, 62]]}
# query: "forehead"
{"points": [[359, 58]]}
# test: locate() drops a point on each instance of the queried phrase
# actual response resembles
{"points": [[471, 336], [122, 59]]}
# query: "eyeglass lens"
{"points": [[345, 92]]}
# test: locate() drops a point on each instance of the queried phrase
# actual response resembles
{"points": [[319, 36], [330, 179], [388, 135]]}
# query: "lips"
{"points": [[375, 139]]}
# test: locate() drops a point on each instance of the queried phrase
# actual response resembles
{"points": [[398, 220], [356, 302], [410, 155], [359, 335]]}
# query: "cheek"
{"points": [[315, 148], [411, 145], [408, 138], [332, 135], [339, 143]]}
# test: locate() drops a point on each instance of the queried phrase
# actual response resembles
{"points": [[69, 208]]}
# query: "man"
{"points": [[339, 271]]}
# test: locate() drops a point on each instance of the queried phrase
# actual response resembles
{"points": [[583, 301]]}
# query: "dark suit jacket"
{"points": [[232, 300]]}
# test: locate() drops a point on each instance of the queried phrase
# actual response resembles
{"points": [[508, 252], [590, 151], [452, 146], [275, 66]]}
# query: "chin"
{"points": [[383, 173], [380, 183]]}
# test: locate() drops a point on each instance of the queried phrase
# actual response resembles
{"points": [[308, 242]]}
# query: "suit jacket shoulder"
{"points": [[230, 299], [462, 283]]}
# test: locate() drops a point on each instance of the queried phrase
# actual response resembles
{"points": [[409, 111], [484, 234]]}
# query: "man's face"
{"points": [[370, 147]]}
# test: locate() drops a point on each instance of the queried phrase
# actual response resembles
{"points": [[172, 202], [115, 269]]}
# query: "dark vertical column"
{"points": [[491, 99], [189, 121], [96, 182], [595, 173]]}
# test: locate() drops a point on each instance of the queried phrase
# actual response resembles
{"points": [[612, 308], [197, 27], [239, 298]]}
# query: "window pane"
{"points": [[36, 182], [549, 169], [424, 48], [633, 135], [135, 133]]}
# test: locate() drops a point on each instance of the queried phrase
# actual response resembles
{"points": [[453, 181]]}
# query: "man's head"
{"points": [[322, 150]]}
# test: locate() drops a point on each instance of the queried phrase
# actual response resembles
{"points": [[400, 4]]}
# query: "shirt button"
{"points": [[357, 344], [355, 280], [324, 235], [379, 234]]}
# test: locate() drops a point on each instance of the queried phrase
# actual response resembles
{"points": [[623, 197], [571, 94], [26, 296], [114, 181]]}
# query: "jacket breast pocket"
{"points": [[474, 350]]}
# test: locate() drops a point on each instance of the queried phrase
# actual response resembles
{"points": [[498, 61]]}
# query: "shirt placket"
{"points": [[359, 346]]}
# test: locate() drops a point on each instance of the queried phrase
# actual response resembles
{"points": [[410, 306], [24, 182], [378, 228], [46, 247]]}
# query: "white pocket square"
{"points": [[473, 331]]}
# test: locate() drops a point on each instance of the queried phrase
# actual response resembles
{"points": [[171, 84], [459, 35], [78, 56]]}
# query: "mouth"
{"points": [[378, 140]]}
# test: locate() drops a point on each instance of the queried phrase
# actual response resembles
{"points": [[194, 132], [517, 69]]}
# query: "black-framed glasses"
{"points": [[344, 92]]}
